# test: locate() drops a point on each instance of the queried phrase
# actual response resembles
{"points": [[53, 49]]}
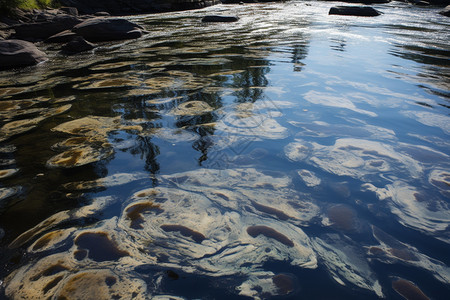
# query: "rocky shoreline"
{"points": [[79, 26]]}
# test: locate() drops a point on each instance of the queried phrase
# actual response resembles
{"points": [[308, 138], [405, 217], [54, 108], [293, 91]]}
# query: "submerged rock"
{"points": [[101, 29], [361, 11], [408, 289], [18, 53], [226, 19], [76, 45], [391, 251]]}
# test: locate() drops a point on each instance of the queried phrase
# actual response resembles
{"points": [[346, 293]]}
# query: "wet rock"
{"points": [[77, 45], [227, 19], [42, 30], [17, 53], [62, 37], [360, 11], [445, 11], [101, 29]]}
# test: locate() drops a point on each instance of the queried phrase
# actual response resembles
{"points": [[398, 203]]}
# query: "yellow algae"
{"points": [[21, 126], [135, 211], [17, 127], [101, 284], [90, 126], [112, 180], [9, 91], [226, 73], [192, 108], [109, 66], [44, 225], [109, 83], [78, 157], [7, 173], [37, 281], [8, 192], [50, 239]]}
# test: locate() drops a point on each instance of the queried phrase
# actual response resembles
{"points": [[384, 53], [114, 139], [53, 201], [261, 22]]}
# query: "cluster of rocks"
{"points": [[77, 33]]}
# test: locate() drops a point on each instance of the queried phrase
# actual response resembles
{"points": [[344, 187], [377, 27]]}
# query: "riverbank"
{"points": [[20, 28]]}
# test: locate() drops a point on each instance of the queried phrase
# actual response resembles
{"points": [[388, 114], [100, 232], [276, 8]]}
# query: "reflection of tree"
{"points": [[338, 44], [299, 53]]}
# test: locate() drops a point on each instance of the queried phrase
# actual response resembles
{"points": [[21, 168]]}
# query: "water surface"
{"points": [[290, 154]]}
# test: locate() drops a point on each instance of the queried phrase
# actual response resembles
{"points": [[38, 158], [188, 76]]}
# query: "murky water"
{"points": [[291, 154]]}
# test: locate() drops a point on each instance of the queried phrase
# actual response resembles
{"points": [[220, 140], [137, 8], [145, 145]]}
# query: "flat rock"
{"points": [[219, 19], [103, 29], [360, 11], [17, 53]]}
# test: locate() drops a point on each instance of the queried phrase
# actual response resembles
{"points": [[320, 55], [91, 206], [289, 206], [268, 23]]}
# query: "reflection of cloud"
{"points": [[430, 119], [327, 99]]}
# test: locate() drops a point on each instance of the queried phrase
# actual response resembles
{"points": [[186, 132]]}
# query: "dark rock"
{"points": [[445, 11], [77, 45], [102, 29], [220, 19], [73, 11], [42, 31], [360, 11], [17, 53], [363, 1], [62, 37]]}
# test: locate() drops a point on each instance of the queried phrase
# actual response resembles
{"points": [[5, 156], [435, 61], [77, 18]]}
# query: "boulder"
{"points": [[219, 19], [445, 11], [62, 37], [77, 45], [17, 53], [360, 11], [107, 29], [43, 30]]}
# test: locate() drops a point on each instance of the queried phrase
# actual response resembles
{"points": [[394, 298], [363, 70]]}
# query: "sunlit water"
{"points": [[291, 154]]}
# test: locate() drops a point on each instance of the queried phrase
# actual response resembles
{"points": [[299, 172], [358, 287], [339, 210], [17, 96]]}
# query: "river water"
{"points": [[289, 155]]}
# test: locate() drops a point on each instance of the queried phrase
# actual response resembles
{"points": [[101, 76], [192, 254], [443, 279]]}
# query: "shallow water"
{"points": [[291, 154]]}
